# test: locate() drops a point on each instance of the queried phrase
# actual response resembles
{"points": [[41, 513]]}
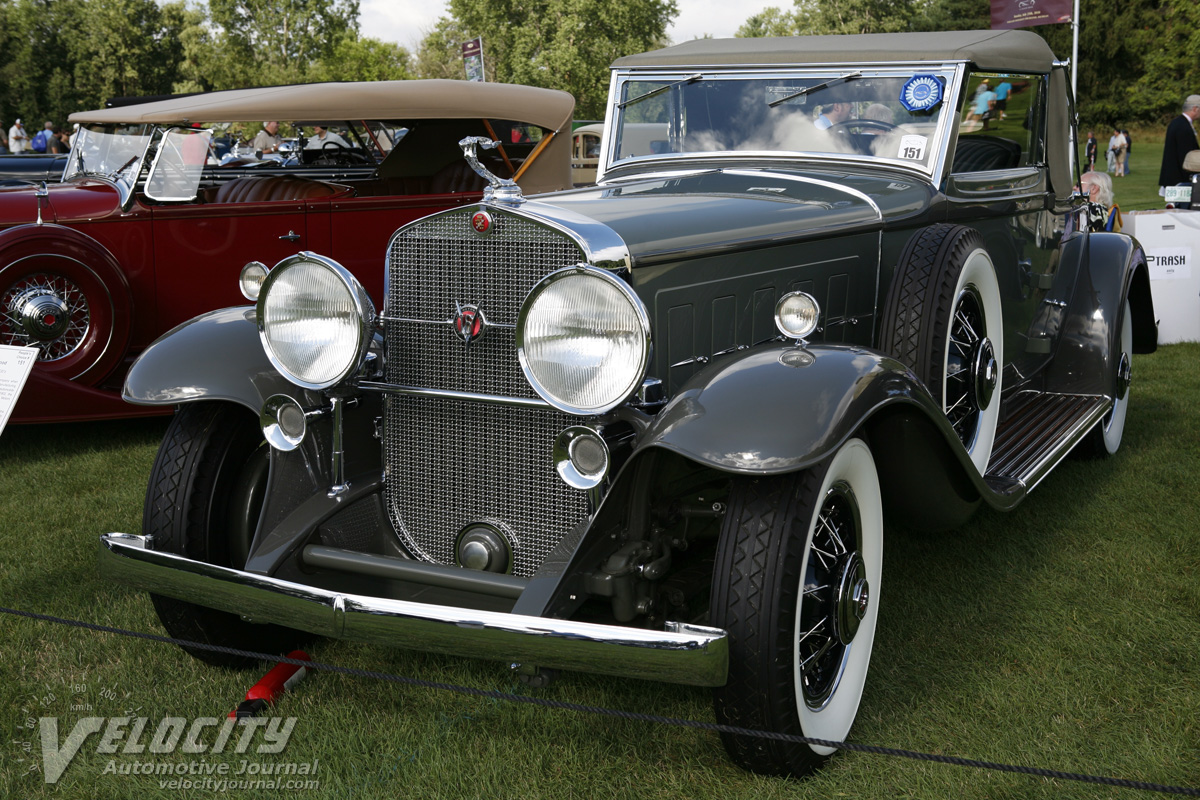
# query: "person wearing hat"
{"points": [[17, 138], [1181, 140]]}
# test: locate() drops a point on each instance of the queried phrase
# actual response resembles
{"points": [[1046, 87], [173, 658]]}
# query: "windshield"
{"points": [[179, 164], [111, 151], [893, 114]]}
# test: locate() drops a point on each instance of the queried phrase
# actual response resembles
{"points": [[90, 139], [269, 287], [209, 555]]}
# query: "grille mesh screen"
{"points": [[454, 462], [443, 263]]}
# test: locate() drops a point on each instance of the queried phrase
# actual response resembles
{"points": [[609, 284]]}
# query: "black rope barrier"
{"points": [[629, 715]]}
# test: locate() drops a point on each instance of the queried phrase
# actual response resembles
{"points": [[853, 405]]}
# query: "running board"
{"points": [[1039, 434]]}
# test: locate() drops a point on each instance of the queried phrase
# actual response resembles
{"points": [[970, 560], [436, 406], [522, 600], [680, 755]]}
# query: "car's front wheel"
{"points": [[203, 502], [796, 585]]}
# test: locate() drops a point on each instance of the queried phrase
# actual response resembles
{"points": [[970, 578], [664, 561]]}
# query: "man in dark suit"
{"points": [[1181, 139], [1092, 149]]}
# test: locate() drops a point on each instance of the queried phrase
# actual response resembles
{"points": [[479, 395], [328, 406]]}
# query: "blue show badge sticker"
{"points": [[921, 93]]}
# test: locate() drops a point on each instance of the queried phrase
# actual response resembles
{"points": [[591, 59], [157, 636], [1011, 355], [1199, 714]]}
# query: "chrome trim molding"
{"points": [[864, 197], [686, 654], [388, 388]]}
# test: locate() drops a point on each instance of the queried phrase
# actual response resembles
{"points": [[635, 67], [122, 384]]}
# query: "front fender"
{"points": [[216, 356], [772, 410], [783, 408]]}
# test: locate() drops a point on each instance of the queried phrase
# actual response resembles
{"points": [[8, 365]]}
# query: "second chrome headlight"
{"points": [[315, 320], [583, 339]]}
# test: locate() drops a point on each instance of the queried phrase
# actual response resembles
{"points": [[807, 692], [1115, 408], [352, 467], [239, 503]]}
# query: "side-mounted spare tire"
{"points": [[943, 318]]}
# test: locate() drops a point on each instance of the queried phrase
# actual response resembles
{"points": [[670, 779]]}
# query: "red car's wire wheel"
{"points": [[63, 307], [49, 312]]}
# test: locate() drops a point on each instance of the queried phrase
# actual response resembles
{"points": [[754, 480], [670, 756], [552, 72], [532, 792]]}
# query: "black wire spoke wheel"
{"points": [[835, 595], [968, 345]]}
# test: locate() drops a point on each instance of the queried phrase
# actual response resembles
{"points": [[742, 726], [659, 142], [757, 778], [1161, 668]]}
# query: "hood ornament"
{"points": [[499, 190]]}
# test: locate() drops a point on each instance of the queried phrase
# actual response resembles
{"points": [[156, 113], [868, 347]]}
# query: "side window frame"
{"points": [[996, 153]]}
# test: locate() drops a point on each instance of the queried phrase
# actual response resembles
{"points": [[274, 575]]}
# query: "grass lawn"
{"points": [[1064, 635]]}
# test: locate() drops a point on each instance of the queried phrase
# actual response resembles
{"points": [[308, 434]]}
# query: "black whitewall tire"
{"points": [[943, 317], [796, 584]]}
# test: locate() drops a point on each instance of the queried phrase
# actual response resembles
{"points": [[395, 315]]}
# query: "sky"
{"points": [[407, 21]]}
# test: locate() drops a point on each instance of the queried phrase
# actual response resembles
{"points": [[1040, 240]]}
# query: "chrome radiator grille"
{"points": [[442, 263], [454, 462]]}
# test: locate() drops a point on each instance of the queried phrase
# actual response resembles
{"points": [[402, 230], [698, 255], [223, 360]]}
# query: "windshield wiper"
{"points": [[113, 175], [660, 90], [832, 82]]}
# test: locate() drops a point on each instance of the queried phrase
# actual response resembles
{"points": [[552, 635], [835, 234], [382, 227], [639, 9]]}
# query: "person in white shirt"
{"points": [[323, 136], [17, 138]]}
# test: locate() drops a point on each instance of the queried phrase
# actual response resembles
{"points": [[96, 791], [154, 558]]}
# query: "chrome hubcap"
{"points": [[986, 378], [44, 316], [44, 311], [1124, 376], [853, 597]]}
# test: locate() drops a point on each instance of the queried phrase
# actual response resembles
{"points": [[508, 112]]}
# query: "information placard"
{"points": [[15, 365]]}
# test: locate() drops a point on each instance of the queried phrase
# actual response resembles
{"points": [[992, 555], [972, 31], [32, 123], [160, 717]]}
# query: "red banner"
{"points": [[1027, 13]]}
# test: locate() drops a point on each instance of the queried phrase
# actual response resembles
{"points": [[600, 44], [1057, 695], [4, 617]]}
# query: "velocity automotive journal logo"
{"points": [[130, 743]]}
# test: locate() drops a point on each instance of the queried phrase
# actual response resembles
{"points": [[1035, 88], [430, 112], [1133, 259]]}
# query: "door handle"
{"points": [[290, 236]]}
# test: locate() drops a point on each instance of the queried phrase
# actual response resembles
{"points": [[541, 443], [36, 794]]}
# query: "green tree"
{"points": [[60, 56], [811, 17], [557, 44], [440, 52], [362, 59], [265, 42], [771, 21], [953, 15]]}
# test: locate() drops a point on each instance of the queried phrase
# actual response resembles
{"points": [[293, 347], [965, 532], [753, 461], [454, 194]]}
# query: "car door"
{"points": [[200, 249], [1000, 184]]}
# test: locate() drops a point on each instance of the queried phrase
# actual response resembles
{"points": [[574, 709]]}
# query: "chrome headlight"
{"points": [[583, 339], [315, 320]]}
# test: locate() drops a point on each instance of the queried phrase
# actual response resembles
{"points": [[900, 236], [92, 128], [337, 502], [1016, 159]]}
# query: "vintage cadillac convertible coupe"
{"points": [[149, 229], [652, 428]]}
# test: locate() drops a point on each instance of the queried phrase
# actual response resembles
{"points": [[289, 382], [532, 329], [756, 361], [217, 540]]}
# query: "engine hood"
{"points": [[693, 213]]}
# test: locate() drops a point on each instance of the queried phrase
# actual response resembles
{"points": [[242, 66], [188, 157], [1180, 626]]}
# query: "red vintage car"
{"points": [[150, 227]]}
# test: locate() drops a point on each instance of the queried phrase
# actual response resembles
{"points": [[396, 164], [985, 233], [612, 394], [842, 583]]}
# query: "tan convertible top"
{"points": [[547, 168], [377, 100], [1021, 51]]}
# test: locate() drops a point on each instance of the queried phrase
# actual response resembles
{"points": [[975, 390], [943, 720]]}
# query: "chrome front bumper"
{"points": [[687, 654]]}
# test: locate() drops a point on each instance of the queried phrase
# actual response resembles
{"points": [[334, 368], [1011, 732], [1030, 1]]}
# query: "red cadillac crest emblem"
{"points": [[481, 222], [469, 323]]}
